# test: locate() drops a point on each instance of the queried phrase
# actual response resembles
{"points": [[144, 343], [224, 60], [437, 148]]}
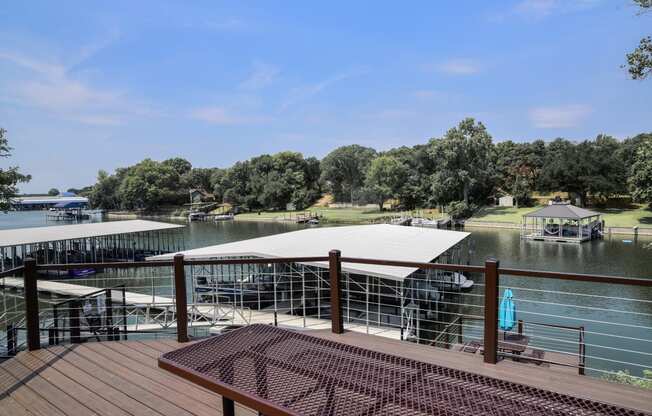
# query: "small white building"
{"points": [[506, 201]]}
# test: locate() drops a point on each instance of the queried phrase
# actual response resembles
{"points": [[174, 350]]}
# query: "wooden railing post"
{"points": [[335, 269], [74, 323], [180, 298], [491, 282], [31, 304]]}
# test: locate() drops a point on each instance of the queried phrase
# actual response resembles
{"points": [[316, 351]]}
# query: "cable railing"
{"points": [[559, 321]]}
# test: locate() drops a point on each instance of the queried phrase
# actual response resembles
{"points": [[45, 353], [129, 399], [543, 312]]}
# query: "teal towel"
{"points": [[507, 311]]}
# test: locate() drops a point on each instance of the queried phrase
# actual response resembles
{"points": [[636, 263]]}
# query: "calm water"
{"points": [[595, 306]]}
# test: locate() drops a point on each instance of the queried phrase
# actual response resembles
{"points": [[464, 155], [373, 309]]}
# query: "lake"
{"points": [[627, 345]]}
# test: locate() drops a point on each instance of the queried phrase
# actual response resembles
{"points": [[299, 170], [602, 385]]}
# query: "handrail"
{"points": [[491, 270], [584, 277], [12, 271]]}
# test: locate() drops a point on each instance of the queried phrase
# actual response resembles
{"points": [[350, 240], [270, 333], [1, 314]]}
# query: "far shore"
{"points": [[489, 217]]}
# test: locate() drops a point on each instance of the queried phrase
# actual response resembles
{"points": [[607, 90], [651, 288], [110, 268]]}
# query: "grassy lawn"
{"points": [[639, 215], [501, 214], [332, 215]]}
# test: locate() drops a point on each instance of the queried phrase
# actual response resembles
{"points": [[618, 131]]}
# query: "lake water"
{"points": [[617, 318]]}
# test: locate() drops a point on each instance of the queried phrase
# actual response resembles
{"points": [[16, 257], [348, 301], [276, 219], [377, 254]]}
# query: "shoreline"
{"points": [[628, 231], [631, 231]]}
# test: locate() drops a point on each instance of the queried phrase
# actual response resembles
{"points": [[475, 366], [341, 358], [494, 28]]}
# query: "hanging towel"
{"points": [[507, 311]]}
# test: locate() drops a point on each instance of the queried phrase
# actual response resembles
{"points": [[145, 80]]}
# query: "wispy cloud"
{"points": [[559, 116], [221, 116], [51, 86], [455, 66], [539, 9], [303, 93], [428, 95], [261, 76]]}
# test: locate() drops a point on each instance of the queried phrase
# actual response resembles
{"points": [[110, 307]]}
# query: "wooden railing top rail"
{"points": [[13, 271], [583, 277]]}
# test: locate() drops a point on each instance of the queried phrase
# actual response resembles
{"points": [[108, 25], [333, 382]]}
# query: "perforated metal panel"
{"points": [[300, 374]]}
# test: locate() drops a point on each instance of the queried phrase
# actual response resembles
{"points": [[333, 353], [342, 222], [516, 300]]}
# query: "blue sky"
{"points": [[99, 85]]}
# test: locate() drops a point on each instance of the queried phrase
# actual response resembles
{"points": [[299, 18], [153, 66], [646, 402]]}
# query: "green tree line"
{"points": [[462, 169]]}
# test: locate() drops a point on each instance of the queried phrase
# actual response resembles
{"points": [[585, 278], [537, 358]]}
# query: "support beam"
{"points": [[181, 299], [31, 304], [491, 284], [335, 269]]}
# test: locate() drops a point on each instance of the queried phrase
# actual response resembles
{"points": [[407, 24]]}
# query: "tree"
{"points": [[53, 192], [517, 167], [463, 165], [9, 177], [589, 168], [640, 178], [103, 194], [640, 59], [343, 170], [384, 178], [180, 165], [150, 184]]}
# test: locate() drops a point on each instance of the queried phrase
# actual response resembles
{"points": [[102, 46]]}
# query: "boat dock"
{"points": [[89, 243], [199, 315]]}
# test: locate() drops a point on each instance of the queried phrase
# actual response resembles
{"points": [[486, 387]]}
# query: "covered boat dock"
{"points": [[94, 242], [562, 223], [418, 302]]}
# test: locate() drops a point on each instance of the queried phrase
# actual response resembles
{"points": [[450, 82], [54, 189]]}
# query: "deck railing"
{"points": [[463, 319]]}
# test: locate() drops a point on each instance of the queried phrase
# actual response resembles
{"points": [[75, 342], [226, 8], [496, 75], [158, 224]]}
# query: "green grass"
{"points": [[331, 215], [639, 215]]}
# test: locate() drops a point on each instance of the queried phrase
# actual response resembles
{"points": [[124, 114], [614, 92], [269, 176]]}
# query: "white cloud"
{"points": [[430, 94], [456, 67], [299, 94], [560, 116], [539, 9], [50, 86], [262, 75], [222, 116]]}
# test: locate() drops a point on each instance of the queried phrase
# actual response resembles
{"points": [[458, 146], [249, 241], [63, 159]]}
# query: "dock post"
{"points": [[31, 304], [335, 269], [180, 298], [491, 311]]}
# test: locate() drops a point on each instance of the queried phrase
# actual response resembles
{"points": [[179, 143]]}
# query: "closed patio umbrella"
{"points": [[507, 311]]}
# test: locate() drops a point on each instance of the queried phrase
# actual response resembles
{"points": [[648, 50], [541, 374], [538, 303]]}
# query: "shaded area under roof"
{"points": [[20, 236], [562, 211], [381, 241]]}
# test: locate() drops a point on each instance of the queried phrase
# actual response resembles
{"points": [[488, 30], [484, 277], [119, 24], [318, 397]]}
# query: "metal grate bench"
{"points": [[281, 372]]}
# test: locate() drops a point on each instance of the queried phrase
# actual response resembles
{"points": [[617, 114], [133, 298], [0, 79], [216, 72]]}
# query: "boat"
{"points": [[424, 222], [458, 279], [81, 272], [313, 221], [196, 216]]}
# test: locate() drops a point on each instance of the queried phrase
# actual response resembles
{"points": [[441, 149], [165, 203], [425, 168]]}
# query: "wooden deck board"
{"points": [[71, 387], [122, 378], [161, 383]]}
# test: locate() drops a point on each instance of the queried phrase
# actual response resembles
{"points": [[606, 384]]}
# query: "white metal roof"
{"points": [[25, 200], [19, 236], [382, 241]]}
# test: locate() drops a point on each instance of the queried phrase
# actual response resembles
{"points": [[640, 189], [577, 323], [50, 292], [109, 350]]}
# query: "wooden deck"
{"points": [[122, 378], [108, 378]]}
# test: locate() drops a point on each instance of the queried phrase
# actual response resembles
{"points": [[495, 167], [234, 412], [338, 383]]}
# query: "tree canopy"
{"points": [[640, 179], [343, 170], [460, 170], [639, 61], [10, 177]]}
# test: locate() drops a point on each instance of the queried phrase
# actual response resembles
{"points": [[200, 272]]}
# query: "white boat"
{"points": [[458, 279]]}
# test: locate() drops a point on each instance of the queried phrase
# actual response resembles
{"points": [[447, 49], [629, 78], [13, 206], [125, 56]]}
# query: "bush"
{"points": [[623, 377], [460, 209]]}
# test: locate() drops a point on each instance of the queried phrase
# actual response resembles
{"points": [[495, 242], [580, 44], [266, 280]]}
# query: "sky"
{"points": [[99, 85]]}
